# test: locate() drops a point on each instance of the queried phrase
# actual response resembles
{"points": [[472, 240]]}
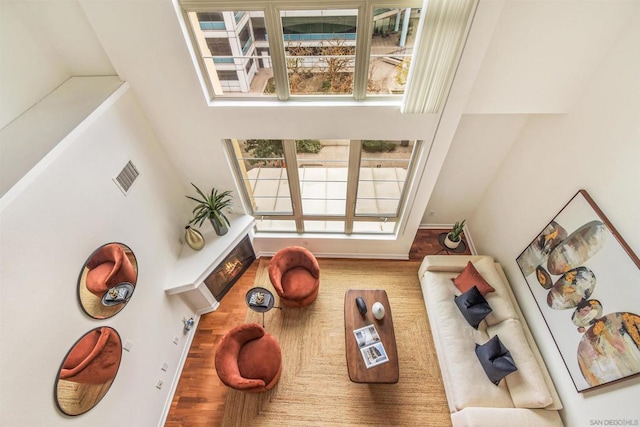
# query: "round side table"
{"points": [[260, 300], [462, 247]]}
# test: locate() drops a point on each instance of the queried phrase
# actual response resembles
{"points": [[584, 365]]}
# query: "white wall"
{"points": [[595, 146], [540, 56], [479, 146], [543, 53], [29, 70], [50, 229], [34, 135], [42, 44]]}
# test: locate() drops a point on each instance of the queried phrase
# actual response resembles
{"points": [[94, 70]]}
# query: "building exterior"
{"points": [[235, 45]]}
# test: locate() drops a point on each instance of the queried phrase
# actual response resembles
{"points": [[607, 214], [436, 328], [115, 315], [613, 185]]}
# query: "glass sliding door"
{"points": [[383, 174], [336, 186], [263, 171], [323, 178]]}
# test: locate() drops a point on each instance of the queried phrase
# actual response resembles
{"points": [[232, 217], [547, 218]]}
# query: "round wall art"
{"points": [[107, 280]]}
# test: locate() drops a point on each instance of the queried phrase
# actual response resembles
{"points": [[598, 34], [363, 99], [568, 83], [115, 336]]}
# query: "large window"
{"points": [[324, 186], [354, 52], [309, 50]]}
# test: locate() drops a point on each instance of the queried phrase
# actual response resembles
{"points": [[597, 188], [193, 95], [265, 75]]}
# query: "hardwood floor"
{"points": [[200, 396]]}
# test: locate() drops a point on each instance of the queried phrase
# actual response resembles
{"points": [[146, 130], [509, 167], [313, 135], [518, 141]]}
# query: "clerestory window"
{"points": [[338, 52], [361, 51], [308, 52]]}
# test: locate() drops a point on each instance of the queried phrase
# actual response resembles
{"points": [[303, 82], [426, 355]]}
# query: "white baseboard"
{"points": [[181, 362], [469, 239], [434, 226]]}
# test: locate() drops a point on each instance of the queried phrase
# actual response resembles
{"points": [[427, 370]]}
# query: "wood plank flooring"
{"points": [[200, 396]]}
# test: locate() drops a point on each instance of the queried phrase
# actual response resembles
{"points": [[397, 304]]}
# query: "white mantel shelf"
{"points": [[193, 267]]}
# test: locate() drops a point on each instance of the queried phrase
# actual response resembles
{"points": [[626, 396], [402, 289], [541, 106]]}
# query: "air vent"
{"points": [[126, 178]]}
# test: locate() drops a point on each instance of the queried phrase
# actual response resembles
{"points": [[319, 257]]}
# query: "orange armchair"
{"points": [[108, 267], [94, 359], [295, 275], [249, 359]]}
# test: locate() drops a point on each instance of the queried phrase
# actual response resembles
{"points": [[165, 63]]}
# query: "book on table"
{"points": [[260, 299], [371, 347]]}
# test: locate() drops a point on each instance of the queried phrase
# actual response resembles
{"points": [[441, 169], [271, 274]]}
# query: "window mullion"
{"points": [[352, 184], [363, 49], [277, 52], [291, 161]]}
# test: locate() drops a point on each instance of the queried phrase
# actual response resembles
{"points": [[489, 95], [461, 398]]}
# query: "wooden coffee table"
{"points": [[387, 372]]}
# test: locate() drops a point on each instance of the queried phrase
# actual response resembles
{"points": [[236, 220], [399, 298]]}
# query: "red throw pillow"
{"points": [[469, 277]]}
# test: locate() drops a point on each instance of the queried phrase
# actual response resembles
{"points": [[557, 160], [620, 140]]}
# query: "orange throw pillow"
{"points": [[469, 277]]}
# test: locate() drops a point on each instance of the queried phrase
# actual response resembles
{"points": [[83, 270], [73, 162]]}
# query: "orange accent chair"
{"points": [[295, 275], [249, 359], [94, 359], [108, 267]]}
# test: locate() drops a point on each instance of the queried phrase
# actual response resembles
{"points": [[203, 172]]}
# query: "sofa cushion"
{"points": [[473, 306], [455, 342], [260, 359], [505, 417], [499, 300], [469, 277], [495, 359], [527, 386], [449, 263]]}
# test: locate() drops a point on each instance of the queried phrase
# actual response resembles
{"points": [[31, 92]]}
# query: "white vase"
{"points": [[450, 243], [378, 310]]}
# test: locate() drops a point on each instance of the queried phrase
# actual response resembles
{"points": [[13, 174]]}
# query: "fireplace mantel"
{"points": [[193, 267]]}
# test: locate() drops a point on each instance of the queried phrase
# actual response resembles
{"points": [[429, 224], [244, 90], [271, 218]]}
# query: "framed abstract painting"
{"points": [[586, 282]]}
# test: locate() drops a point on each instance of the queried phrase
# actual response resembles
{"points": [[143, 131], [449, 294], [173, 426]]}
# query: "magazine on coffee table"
{"points": [[371, 348]]}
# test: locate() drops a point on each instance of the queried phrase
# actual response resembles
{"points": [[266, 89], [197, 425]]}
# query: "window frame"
{"points": [[273, 26], [353, 181]]}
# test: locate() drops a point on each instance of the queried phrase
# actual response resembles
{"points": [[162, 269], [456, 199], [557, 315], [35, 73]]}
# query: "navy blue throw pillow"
{"points": [[495, 359], [473, 306]]}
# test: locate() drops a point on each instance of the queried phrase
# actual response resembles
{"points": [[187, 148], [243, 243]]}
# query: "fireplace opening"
{"points": [[227, 273]]}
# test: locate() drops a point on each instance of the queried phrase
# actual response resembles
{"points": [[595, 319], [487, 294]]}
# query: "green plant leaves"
{"points": [[456, 231], [210, 206]]}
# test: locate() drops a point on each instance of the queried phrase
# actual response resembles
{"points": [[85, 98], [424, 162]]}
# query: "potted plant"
{"points": [[210, 206], [453, 238]]}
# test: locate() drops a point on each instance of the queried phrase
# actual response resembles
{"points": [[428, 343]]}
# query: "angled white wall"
{"points": [[28, 69], [540, 57], [480, 145], [543, 54], [48, 231], [42, 44], [34, 135], [595, 146]]}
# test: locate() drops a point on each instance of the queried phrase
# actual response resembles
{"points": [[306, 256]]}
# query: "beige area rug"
{"points": [[314, 389]]}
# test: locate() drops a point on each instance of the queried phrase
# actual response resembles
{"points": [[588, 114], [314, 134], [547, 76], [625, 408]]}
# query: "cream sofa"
{"points": [[526, 397]]}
